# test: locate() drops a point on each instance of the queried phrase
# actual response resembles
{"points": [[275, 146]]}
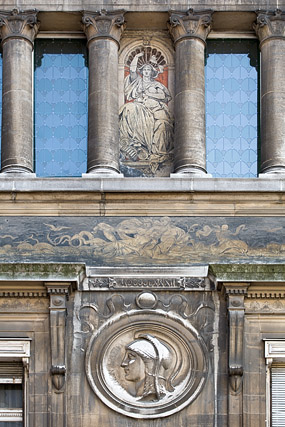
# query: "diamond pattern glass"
{"points": [[61, 80], [231, 75]]}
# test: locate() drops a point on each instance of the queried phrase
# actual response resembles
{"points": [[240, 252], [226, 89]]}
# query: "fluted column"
{"points": [[18, 30], [270, 28], [189, 31], [103, 30]]}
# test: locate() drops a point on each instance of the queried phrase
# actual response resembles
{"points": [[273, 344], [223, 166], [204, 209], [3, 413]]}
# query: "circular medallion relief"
{"points": [[145, 364]]}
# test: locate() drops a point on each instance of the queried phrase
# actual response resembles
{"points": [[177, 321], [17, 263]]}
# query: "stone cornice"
{"points": [[52, 272], [245, 273], [190, 25], [103, 25], [19, 24], [270, 25]]}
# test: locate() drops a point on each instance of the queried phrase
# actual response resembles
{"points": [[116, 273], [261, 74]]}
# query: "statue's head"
{"points": [[146, 359]]}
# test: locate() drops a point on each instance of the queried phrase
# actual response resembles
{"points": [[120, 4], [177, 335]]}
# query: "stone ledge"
{"points": [[15, 183]]}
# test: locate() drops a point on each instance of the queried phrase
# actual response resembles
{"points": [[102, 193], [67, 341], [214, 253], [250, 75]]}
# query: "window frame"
{"points": [[274, 351], [15, 350]]}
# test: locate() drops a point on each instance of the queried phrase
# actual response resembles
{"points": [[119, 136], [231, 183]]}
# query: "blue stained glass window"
{"points": [[61, 92], [231, 75]]}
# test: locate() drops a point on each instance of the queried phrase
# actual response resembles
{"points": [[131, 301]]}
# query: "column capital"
{"points": [[103, 25], [270, 25], [19, 24], [190, 24]]}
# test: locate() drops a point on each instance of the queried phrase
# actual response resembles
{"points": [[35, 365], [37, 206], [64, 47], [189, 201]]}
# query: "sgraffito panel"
{"points": [[143, 240], [145, 120]]}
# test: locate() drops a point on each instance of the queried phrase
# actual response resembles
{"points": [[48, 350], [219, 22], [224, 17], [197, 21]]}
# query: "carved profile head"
{"points": [[146, 362]]}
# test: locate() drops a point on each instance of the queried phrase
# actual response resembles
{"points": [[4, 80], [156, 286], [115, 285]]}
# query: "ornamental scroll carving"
{"points": [[270, 25], [19, 24], [190, 24], [145, 357]]}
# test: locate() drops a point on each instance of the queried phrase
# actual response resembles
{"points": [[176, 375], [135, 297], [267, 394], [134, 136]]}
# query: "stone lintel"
{"points": [[103, 25], [190, 24], [19, 24], [270, 25]]}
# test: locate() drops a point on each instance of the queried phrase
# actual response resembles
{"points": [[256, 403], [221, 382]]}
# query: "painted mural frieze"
{"points": [[146, 357], [146, 124], [142, 240]]}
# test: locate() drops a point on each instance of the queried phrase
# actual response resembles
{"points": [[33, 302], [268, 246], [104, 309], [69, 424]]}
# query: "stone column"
{"points": [[270, 28], [103, 30], [189, 31], [18, 30]]}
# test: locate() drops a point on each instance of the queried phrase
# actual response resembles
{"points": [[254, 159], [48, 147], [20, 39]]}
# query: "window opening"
{"points": [[61, 92], [232, 107], [14, 362]]}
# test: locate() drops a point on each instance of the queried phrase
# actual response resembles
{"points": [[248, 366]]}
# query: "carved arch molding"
{"points": [[147, 358]]}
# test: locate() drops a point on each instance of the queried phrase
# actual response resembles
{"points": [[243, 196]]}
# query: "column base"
{"points": [[273, 172], [190, 172], [102, 172], [16, 170]]}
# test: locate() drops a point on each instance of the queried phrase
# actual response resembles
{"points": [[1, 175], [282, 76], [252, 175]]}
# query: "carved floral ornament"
{"points": [[19, 24], [148, 361]]}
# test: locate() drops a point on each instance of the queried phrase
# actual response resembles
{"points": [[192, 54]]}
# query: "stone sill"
{"points": [[25, 183]]}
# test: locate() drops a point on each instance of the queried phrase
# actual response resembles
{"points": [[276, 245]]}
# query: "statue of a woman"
{"points": [[146, 127]]}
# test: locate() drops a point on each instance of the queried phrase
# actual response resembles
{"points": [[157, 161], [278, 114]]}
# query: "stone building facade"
{"points": [[142, 275]]}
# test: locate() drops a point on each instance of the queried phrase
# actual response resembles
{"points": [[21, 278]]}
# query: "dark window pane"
{"points": [[232, 107], [11, 396], [61, 78]]}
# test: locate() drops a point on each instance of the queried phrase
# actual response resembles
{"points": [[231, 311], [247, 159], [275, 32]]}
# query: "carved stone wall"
{"points": [[144, 355]]}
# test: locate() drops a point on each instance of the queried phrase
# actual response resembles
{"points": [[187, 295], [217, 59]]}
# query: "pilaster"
{"points": [[236, 293], [58, 293]]}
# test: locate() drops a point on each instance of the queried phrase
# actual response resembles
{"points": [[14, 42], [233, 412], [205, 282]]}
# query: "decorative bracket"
{"points": [[58, 293], [236, 293]]}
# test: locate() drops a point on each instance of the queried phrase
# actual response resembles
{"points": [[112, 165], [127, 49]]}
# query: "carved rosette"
{"points": [[19, 24], [190, 25], [103, 25], [270, 25]]}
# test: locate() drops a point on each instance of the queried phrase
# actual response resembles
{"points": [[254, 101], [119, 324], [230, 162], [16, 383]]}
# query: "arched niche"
{"points": [[146, 92]]}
